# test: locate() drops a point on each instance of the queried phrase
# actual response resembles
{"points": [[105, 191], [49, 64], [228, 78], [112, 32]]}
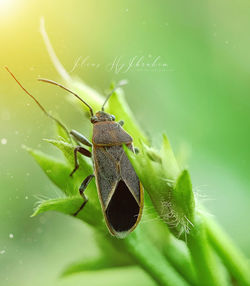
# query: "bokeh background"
{"points": [[199, 97]]}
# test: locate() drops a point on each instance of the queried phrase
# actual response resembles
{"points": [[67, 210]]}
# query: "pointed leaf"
{"points": [[85, 167], [63, 134], [118, 107], [87, 93], [57, 171], [90, 214], [169, 162], [65, 205], [95, 264], [183, 197]]}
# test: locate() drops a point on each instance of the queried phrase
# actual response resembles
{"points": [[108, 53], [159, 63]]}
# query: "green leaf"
{"points": [[174, 201], [90, 214], [169, 163], [118, 107], [75, 84], [183, 196], [68, 152], [62, 134], [88, 94], [152, 176], [85, 167], [182, 204], [57, 171], [113, 254], [68, 205], [95, 264]]}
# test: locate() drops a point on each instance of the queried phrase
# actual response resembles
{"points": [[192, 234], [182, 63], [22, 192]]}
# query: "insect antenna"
{"points": [[38, 103], [119, 84], [70, 91]]}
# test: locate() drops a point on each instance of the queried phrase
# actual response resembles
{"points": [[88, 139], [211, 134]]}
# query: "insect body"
{"points": [[119, 189]]}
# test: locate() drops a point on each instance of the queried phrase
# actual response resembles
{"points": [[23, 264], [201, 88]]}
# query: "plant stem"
{"points": [[179, 257], [230, 255], [202, 255], [152, 261]]}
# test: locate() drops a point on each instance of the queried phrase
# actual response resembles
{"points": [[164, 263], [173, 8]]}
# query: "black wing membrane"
{"points": [[123, 209], [119, 188]]}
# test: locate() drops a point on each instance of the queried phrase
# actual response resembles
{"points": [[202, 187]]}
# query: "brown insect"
{"points": [[119, 189]]}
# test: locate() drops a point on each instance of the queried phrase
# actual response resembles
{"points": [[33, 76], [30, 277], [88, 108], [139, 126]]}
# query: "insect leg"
{"points": [[81, 190], [81, 138], [121, 122], [137, 150], [84, 152], [84, 184]]}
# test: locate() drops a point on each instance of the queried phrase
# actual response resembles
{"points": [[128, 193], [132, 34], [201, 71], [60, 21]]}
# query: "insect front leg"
{"points": [[84, 152], [81, 190]]}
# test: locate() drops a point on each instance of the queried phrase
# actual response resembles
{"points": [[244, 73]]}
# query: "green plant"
{"points": [[187, 247]]}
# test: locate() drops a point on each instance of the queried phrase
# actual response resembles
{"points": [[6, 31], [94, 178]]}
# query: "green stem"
{"points": [[152, 261], [177, 254], [203, 258], [230, 255]]}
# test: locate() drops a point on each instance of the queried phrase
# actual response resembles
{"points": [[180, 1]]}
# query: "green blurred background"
{"points": [[201, 99]]}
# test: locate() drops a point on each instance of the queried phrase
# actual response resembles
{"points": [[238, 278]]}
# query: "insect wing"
{"points": [[119, 189]]}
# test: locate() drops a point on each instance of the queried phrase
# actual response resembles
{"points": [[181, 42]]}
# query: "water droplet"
{"points": [[26, 197], [4, 141], [11, 235]]}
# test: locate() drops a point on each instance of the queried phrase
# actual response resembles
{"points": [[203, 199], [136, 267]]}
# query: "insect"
{"points": [[119, 190]]}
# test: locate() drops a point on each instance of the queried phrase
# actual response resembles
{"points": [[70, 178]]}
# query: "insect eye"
{"points": [[93, 119], [113, 117]]}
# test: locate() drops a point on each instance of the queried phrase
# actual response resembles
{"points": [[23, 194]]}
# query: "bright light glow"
{"points": [[5, 6], [4, 3]]}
